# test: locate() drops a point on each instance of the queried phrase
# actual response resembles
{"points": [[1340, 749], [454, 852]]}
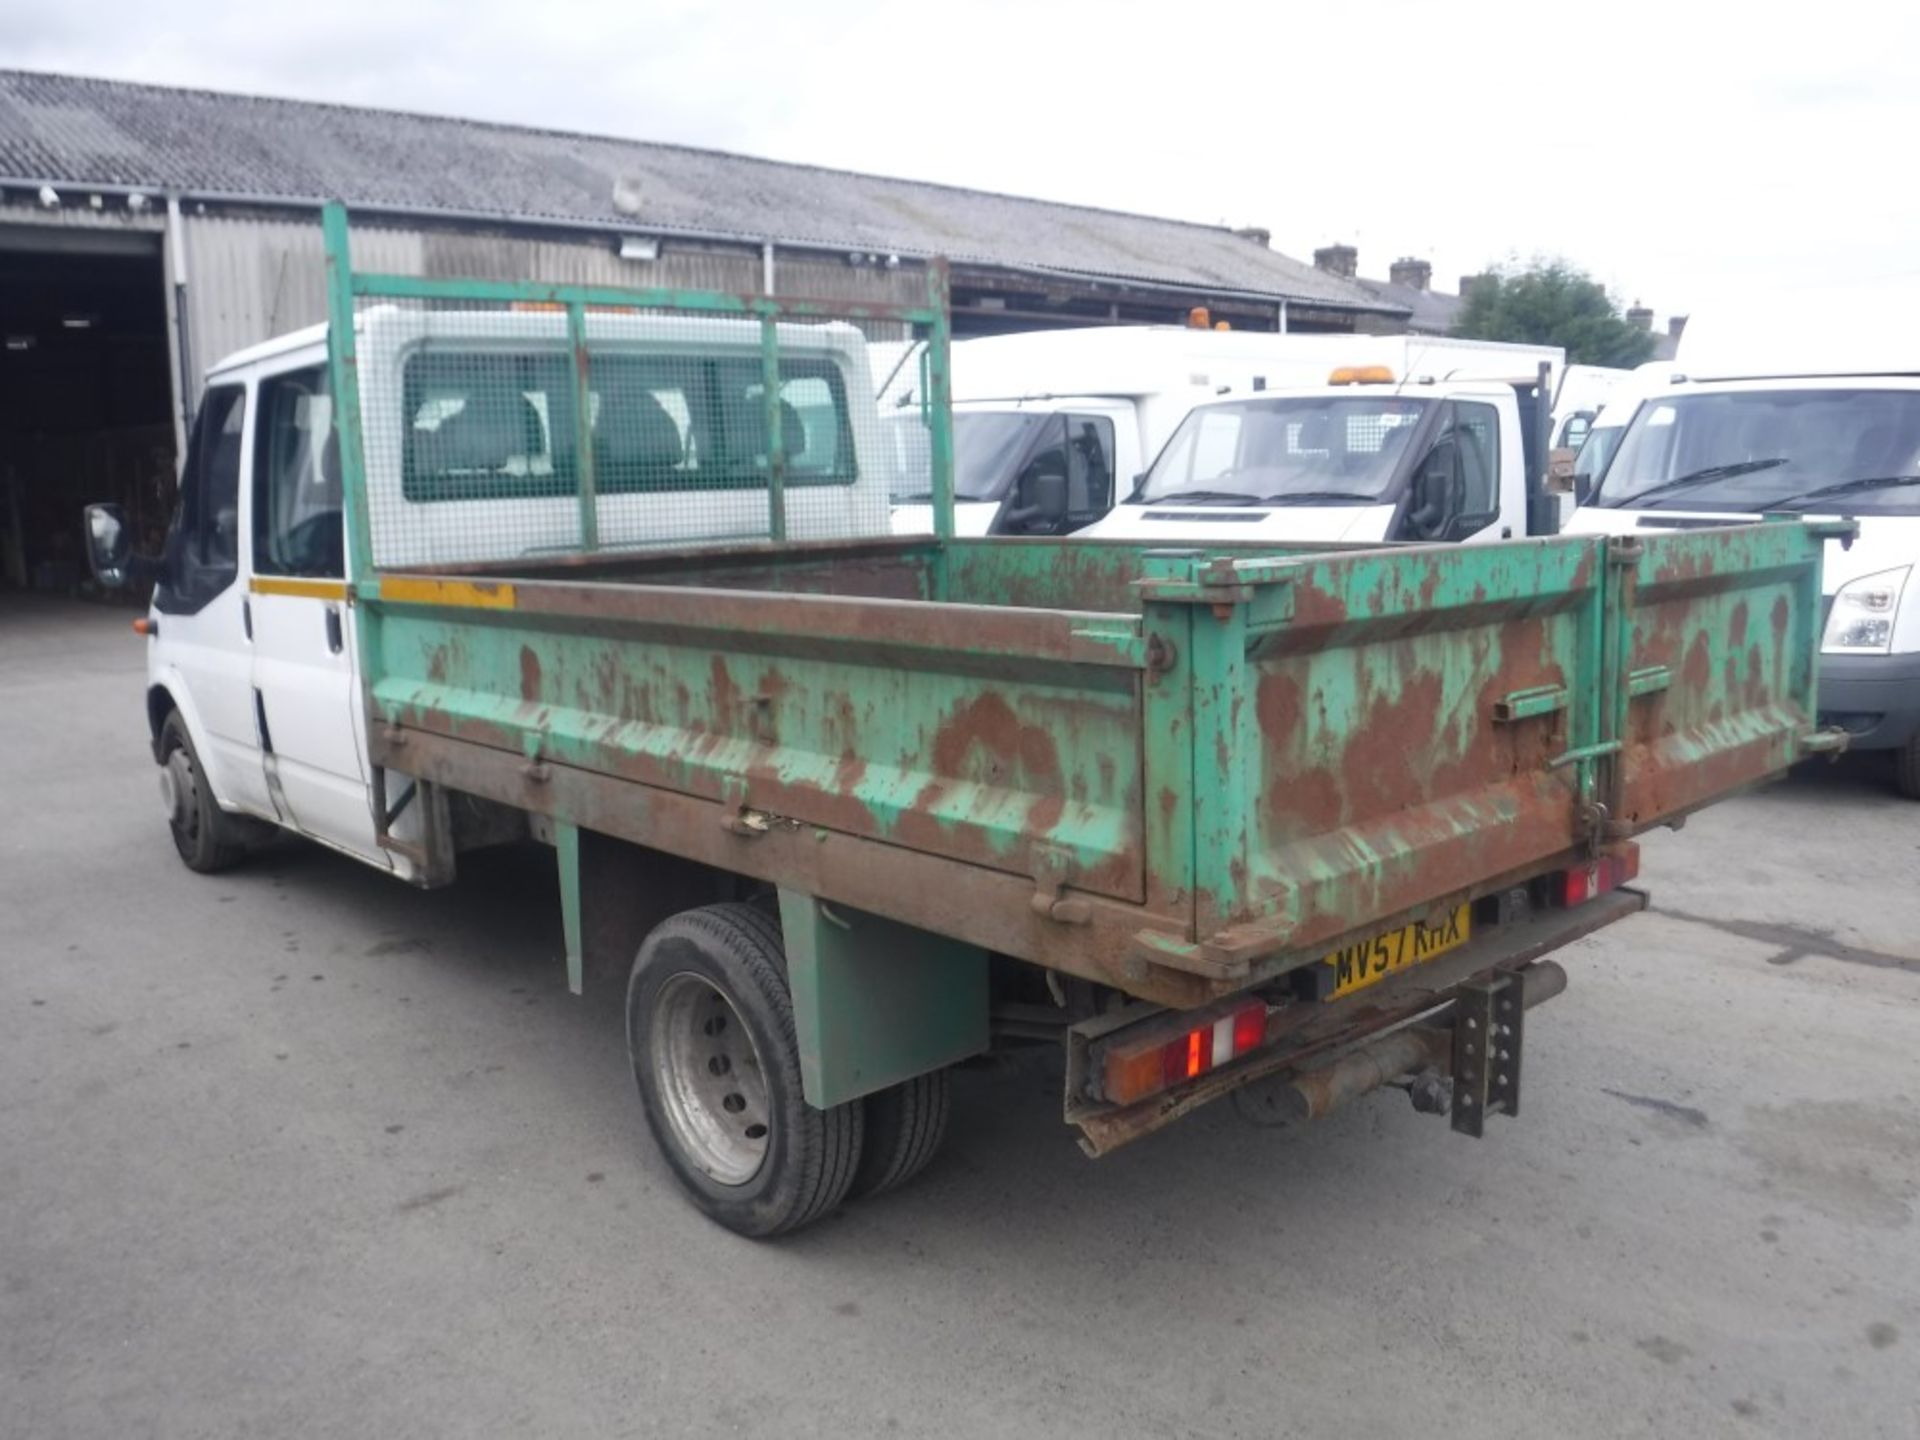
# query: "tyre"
{"points": [[906, 1124], [711, 1037], [1906, 769], [207, 838]]}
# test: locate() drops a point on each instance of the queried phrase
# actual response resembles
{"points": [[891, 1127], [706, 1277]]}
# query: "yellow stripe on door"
{"points": [[303, 589]]}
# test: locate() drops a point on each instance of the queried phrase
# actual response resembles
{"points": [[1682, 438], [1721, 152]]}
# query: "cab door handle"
{"points": [[335, 638]]}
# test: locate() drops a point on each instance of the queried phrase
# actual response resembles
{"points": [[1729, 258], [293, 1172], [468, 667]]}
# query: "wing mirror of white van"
{"points": [[1039, 505], [1582, 487], [109, 547], [1050, 496]]}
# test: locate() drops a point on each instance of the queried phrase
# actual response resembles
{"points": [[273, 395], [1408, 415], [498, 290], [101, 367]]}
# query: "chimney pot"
{"points": [[1412, 273], [1341, 260], [1640, 317]]}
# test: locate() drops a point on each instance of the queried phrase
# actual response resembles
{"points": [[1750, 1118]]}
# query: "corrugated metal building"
{"points": [[147, 231]]}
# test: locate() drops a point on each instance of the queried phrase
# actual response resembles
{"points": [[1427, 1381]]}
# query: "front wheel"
{"points": [[1906, 768], [711, 1036], [207, 838]]}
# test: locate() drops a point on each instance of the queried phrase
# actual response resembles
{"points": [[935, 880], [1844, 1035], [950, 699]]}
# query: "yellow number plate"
{"points": [[1357, 966]]}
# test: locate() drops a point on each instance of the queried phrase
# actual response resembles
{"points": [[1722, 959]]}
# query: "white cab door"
{"points": [[304, 668], [202, 650]]}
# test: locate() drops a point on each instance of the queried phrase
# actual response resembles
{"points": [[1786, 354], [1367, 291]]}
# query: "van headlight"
{"points": [[1861, 621]]}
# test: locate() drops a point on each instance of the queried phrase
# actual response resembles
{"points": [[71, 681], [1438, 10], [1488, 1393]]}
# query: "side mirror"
{"points": [[1047, 493], [109, 549], [1582, 487], [1435, 496]]}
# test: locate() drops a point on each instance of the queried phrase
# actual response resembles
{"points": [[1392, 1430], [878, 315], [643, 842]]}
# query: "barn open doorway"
{"points": [[85, 397]]}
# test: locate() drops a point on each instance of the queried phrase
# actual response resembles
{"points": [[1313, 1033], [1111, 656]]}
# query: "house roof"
{"points": [[74, 130], [1429, 311]]}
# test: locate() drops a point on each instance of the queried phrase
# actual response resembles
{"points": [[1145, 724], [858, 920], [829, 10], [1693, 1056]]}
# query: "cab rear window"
{"points": [[503, 426]]}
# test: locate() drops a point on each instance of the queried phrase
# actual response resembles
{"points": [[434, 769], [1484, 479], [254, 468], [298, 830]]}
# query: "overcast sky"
{"points": [[1688, 154]]}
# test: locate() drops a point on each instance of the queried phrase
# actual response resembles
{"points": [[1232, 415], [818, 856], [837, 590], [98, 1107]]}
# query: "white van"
{"points": [[1805, 440], [1362, 460], [1584, 390], [1098, 404]]}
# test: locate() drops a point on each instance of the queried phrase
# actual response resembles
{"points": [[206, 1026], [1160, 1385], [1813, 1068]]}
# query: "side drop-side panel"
{"points": [[999, 739]]}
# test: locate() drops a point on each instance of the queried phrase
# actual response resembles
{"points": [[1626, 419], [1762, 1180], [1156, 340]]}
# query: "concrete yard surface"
{"points": [[297, 1150]]}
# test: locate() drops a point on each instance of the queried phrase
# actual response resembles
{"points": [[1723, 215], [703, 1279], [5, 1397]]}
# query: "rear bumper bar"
{"points": [[1316, 1037]]}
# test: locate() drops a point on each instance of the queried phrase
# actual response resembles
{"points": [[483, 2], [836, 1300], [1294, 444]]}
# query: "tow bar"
{"points": [[1477, 1039]]}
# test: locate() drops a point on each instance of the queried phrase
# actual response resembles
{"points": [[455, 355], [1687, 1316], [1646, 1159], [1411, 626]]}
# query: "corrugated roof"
{"points": [[1429, 311], [77, 130]]}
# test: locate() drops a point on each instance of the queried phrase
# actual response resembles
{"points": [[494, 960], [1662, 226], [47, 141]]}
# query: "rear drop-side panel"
{"points": [[1718, 630], [1400, 730]]}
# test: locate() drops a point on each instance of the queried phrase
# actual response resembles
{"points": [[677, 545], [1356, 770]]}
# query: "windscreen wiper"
{"points": [[1842, 487], [1311, 497], [1203, 497], [1701, 477]]}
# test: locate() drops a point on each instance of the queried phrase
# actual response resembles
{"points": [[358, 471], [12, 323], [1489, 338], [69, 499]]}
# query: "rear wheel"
{"points": [[710, 1033], [207, 838], [906, 1124], [1906, 769]]}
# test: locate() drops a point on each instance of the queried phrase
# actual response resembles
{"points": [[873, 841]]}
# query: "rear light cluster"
{"points": [[1594, 879], [1133, 1069]]}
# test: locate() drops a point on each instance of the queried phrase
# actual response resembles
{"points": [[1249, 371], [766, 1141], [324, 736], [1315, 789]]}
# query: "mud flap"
{"points": [[876, 1002]]}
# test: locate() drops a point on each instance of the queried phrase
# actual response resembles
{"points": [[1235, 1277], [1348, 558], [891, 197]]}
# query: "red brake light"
{"points": [[1249, 1029], [1587, 882]]}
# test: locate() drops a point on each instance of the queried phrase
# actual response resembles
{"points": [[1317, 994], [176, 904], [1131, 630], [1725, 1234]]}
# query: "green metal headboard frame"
{"points": [[345, 286]]}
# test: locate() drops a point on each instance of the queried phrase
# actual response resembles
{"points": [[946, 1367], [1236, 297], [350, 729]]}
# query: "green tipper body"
{"points": [[1176, 774]]}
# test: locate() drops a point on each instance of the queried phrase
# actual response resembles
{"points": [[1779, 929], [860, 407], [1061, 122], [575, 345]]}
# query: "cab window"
{"points": [[1078, 447], [203, 552], [1089, 468], [297, 528]]}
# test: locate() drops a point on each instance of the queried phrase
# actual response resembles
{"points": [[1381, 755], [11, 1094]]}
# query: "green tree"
{"points": [[1551, 303]]}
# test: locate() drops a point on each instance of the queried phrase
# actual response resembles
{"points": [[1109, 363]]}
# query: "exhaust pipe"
{"points": [[1316, 1094]]}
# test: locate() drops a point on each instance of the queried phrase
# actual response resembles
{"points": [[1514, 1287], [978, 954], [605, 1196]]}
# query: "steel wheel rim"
{"points": [[710, 1080], [185, 794]]}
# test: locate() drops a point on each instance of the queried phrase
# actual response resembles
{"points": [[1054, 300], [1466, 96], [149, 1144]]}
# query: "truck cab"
{"points": [[255, 701], [1721, 451], [1362, 460]]}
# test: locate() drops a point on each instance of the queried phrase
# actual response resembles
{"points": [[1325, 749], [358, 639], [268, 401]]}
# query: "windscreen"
{"points": [[1855, 451], [1597, 449], [1270, 451]]}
